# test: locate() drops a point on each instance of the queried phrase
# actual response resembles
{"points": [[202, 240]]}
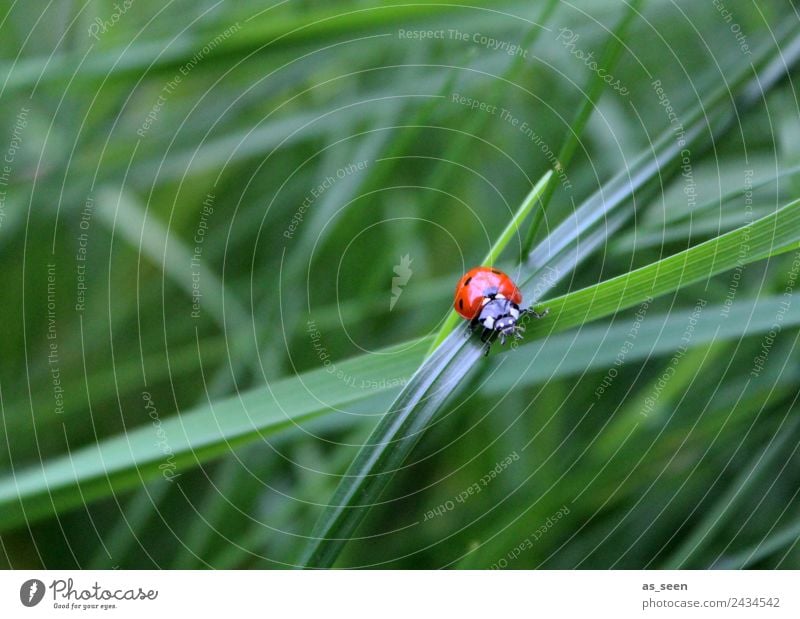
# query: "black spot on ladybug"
{"points": [[496, 272], [461, 303], [466, 283]]}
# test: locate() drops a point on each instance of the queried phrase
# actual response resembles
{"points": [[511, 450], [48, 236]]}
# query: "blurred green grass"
{"points": [[297, 93]]}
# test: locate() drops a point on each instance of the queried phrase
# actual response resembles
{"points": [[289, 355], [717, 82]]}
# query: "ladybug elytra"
{"points": [[489, 299]]}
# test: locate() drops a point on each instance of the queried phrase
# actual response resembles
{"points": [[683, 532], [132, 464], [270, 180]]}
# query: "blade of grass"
{"points": [[597, 346], [508, 233], [458, 143], [698, 229], [597, 85], [123, 214], [279, 31], [104, 381], [598, 218], [768, 236], [680, 226], [123, 461], [675, 215], [388, 446]]}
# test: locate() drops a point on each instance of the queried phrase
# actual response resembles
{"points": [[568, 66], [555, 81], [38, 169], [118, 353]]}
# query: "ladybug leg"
{"points": [[536, 314], [487, 339]]}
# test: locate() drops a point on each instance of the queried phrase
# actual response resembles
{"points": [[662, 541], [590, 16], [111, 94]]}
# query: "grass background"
{"points": [[216, 441]]}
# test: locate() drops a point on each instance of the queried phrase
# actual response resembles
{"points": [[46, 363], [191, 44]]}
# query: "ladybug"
{"points": [[489, 298]]}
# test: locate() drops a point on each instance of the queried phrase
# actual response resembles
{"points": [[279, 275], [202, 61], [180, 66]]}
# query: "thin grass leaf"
{"points": [[699, 229], [597, 346], [277, 30], [611, 55], [126, 460], [771, 235], [599, 217], [124, 215], [387, 448]]}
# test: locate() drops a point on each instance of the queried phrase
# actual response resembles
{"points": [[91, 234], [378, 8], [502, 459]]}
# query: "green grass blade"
{"points": [[280, 31], [597, 346], [185, 440], [386, 450], [600, 217], [126, 216], [767, 236], [611, 55]]}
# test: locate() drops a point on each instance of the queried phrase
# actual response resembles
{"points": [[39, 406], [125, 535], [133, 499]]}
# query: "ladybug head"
{"points": [[506, 324]]}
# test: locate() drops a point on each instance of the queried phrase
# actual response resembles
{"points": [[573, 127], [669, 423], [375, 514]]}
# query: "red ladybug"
{"points": [[489, 298]]}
